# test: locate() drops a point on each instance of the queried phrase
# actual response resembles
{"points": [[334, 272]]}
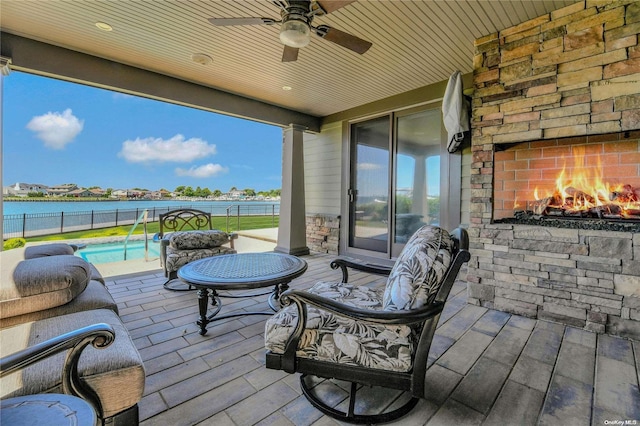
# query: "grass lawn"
{"points": [[246, 222]]}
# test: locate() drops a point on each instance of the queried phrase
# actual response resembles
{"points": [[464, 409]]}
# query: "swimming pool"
{"points": [[114, 252]]}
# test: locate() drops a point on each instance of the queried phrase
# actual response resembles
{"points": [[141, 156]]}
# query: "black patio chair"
{"points": [[370, 336], [187, 235]]}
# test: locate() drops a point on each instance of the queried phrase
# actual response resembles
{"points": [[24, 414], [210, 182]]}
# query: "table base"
{"points": [[203, 305]]}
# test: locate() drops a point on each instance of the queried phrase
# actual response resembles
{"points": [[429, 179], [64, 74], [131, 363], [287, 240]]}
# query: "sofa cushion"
{"points": [[95, 296], [42, 283], [419, 270], [190, 240], [115, 373], [53, 249]]}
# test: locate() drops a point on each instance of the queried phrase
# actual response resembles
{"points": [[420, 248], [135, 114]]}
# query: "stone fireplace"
{"points": [[563, 82]]}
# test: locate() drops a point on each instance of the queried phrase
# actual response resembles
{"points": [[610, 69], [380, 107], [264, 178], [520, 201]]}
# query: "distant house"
{"points": [[120, 193], [156, 195], [136, 193], [62, 189], [23, 189], [97, 192], [236, 195], [79, 193]]}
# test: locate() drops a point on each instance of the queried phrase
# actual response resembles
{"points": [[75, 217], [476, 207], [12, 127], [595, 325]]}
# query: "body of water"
{"points": [[30, 207]]}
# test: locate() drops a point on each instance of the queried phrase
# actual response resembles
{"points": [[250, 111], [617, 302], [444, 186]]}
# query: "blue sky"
{"points": [[56, 132]]}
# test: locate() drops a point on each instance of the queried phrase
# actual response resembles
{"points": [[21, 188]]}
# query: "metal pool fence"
{"points": [[38, 224]]}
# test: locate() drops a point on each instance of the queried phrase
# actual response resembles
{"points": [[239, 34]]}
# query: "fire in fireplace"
{"points": [[593, 179], [582, 191]]}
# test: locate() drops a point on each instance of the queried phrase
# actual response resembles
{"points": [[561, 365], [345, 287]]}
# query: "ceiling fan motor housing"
{"points": [[296, 24]]}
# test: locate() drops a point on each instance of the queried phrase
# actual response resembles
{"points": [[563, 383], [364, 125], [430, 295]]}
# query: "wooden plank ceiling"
{"points": [[415, 43]]}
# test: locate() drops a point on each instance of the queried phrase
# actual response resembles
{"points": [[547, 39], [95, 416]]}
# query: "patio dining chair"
{"points": [[187, 235], [373, 336]]}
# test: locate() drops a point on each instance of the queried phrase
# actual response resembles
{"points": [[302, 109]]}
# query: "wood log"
{"points": [[579, 194]]}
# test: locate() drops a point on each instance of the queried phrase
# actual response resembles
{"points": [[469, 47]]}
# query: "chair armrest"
{"points": [[344, 263], [399, 317], [99, 335]]}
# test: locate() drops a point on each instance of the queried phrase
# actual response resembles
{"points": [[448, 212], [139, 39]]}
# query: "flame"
{"points": [[582, 188]]}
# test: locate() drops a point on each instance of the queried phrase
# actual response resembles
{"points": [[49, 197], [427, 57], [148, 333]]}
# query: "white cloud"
{"points": [[56, 130], [208, 170], [176, 149]]}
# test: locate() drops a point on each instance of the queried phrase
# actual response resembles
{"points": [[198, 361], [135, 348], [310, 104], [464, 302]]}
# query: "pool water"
{"points": [[114, 252]]}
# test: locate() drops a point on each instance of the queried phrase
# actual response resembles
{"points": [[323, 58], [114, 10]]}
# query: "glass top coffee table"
{"points": [[242, 271]]}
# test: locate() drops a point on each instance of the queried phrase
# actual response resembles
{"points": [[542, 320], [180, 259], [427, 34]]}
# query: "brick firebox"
{"points": [[574, 73]]}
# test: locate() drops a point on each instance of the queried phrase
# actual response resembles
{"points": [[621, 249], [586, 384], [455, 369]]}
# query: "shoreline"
{"points": [[160, 200]]}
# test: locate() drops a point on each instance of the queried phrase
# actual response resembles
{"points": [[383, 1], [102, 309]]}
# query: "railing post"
{"points": [[238, 218], [92, 219], [61, 222], [273, 215], [116, 217], [24, 225]]}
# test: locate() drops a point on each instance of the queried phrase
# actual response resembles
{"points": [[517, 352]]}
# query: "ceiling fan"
{"points": [[296, 26]]}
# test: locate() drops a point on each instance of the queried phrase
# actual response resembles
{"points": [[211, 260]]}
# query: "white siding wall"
{"points": [[322, 170]]}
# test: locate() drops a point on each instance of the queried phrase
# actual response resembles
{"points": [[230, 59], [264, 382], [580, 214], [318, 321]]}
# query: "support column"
{"points": [[292, 231], [4, 71]]}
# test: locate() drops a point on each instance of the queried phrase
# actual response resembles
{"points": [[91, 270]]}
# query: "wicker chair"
{"points": [[187, 235], [375, 336]]}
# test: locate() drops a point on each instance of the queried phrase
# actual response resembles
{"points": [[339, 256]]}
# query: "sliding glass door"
{"points": [[398, 180], [369, 191], [416, 181]]}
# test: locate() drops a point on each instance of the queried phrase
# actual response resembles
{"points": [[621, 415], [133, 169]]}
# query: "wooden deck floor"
{"points": [[487, 367]]}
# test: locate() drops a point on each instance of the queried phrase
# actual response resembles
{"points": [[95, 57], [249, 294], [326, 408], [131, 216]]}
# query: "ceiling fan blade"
{"points": [[225, 22], [343, 39], [331, 5], [290, 54]]}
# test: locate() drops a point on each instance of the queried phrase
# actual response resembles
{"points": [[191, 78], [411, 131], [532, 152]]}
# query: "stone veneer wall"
{"points": [[572, 73], [323, 233]]}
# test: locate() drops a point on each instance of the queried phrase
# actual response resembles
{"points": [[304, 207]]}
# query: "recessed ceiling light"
{"points": [[286, 88], [201, 58], [104, 26]]}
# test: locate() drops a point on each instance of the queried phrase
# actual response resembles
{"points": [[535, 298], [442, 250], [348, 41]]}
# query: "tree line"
{"points": [[188, 191]]}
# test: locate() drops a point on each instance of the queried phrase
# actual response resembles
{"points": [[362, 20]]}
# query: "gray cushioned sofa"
{"points": [[46, 291]]}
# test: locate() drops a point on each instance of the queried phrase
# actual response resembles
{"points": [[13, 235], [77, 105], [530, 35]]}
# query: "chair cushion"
{"points": [[189, 240], [115, 373], [54, 249], [418, 272], [333, 338], [42, 283], [95, 296], [177, 258]]}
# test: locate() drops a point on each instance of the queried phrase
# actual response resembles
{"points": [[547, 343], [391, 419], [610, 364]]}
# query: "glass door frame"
{"points": [[450, 183]]}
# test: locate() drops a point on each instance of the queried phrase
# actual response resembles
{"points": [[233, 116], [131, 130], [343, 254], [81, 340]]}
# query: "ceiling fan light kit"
{"points": [[295, 32], [296, 28]]}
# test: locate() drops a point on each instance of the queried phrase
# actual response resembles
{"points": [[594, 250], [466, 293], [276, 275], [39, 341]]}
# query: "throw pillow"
{"points": [[53, 249]]}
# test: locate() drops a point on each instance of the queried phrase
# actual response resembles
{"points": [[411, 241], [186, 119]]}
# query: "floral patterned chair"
{"points": [[369, 336], [187, 235]]}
